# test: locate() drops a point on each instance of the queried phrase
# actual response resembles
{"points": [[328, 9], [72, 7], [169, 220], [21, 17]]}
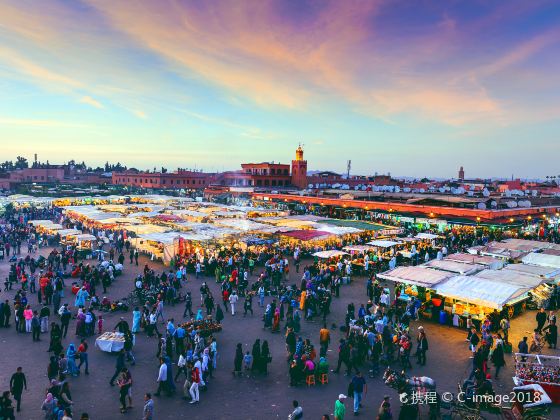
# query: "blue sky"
{"points": [[411, 88]]}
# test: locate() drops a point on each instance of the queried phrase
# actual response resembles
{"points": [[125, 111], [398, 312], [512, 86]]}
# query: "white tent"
{"points": [[548, 273], [428, 236], [337, 230], [490, 262], [454, 266], [329, 254], [358, 248], [416, 275], [479, 291], [543, 260], [69, 232], [383, 243], [515, 278]]}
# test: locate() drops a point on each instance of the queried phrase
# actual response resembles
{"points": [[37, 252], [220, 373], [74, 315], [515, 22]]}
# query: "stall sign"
{"points": [[407, 219]]}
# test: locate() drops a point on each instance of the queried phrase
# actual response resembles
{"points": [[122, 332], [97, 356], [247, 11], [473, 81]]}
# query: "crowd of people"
{"points": [[374, 332]]}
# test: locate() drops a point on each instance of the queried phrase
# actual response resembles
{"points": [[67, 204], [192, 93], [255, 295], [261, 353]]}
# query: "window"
{"points": [[285, 172], [272, 171], [171, 182], [266, 183], [163, 182], [259, 183], [273, 182]]}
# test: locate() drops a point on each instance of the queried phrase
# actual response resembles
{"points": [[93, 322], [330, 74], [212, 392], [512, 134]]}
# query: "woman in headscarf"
{"points": [[71, 357], [256, 353], [219, 314], [80, 323], [276, 322], [136, 317], [49, 404], [199, 316], [323, 366], [238, 360], [266, 358], [81, 297]]}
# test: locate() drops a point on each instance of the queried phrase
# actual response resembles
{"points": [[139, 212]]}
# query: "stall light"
{"points": [[367, 208], [322, 204], [529, 217], [511, 220], [478, 219], [431, 214], [557, 214], [344, 205], [544, 216], [390, 210]]}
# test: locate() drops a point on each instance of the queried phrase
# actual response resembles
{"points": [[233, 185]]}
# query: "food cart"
{"points": [[110, 342], [85, 244], [541, 370]]}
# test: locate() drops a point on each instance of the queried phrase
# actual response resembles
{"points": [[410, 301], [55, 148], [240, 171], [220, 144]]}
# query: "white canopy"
{"points": [[493, 263], [428, 236], [543, 260], [358, 248], [548, 273], [242, 224], [85, 237], [337, 230], [69, 232], [480, 291], [144, 229], [454, 266], [40, 222], [515, 278], [382, 243], [416, 275], [329, 254]]}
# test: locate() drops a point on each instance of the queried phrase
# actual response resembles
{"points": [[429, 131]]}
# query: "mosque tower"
{"points": [[299, 170]]}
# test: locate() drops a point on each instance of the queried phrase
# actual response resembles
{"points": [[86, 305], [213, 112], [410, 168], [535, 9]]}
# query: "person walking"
{"points": [[498, 357], [232, 301], [18, 383], [83, 354], [339, 407], [195, 381], [148, 411], [119, 365], [541, 318], [360, 387], [422, 346]]}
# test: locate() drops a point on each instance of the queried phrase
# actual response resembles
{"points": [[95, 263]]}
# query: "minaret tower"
{"points": [[299, 170]]}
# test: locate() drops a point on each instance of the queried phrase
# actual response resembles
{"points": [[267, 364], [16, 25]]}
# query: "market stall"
{"points": [[479, 297], [110, 342], [542, 260], [539, 369], [485, 260], [454, 266]]}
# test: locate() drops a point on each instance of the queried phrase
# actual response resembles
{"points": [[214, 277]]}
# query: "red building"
{"points": [[181, 179]]}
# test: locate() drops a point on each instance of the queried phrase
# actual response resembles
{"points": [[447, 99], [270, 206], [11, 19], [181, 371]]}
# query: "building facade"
{"points": [[188, 180]]}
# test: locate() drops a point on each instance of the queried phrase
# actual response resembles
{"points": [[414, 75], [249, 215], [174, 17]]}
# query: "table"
{"points": [[110, 342]]}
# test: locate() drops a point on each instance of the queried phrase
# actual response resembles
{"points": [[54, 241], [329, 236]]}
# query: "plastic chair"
{"points": [[324, 379], [310, 380]]}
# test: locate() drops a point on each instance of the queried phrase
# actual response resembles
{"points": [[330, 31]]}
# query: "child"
{"points": [[247, 361], [100, 325]]}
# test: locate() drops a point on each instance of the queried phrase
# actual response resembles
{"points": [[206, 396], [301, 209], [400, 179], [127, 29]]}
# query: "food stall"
{"points": [[419, 282], [84, 244], [454, 266], [110, 342], [542, 260], [67, 235], [479, 297], [539, 369]]}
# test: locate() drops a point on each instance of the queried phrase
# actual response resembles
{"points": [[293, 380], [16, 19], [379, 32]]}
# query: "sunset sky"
{"points": [[413, 88]]}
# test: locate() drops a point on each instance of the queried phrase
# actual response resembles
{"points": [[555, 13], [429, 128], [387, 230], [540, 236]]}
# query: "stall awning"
{"points": [[543, 260], [479, 291], [329, 254], [454, 266], [358, 248], [516, 278], [485, 260], [382, 243], [426, 236], [306, 235], [416, 275], [548, 273]]}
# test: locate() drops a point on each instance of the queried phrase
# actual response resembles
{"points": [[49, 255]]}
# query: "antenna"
{"points": [[348, 167]]}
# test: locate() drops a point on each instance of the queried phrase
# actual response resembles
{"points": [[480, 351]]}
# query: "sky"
{"points": [[414, 88]]}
